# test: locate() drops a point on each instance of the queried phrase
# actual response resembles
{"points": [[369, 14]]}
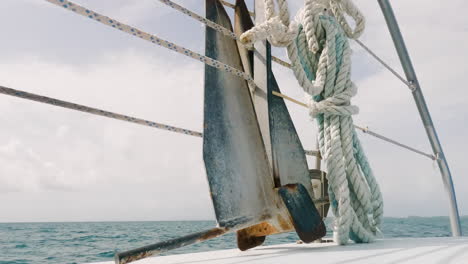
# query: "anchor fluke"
{"points": [[306, 219]]}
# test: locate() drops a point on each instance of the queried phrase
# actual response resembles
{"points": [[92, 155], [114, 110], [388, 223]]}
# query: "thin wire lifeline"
{"points": [[149, 37], [108, 114], [216, 27], [226, 3], [95, 111], [365, 130], [395, 73]]}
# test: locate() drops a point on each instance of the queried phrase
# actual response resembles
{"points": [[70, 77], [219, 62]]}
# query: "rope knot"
{"points": [[337, 104], [273, 29], [330, 106]]}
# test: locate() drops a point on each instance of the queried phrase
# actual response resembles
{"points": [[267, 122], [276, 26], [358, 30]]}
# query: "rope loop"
{"points": [[338, 7]]}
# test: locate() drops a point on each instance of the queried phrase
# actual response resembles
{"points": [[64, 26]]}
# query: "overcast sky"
{"points": [[61, 165]]}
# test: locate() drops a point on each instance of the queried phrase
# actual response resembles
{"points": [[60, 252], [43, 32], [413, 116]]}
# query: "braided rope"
{"points": [[149, 37], [320, 56], [359, 206], [95, 111], [216, 27]]}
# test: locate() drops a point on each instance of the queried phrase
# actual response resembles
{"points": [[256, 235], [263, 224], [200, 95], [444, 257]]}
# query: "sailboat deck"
{"points": [[402, 250]]}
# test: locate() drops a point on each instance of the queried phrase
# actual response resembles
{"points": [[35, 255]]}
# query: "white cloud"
{"points": [[49, 148], [56, 164]]}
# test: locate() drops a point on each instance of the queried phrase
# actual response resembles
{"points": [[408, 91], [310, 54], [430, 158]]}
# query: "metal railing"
{"points": [[423, 112]]}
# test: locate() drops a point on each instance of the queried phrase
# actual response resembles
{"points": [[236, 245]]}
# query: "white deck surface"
{"points": [[403, 250]]}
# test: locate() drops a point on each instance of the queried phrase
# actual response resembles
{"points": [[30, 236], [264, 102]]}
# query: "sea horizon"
{"points": [[183, 220], [97, 241]]}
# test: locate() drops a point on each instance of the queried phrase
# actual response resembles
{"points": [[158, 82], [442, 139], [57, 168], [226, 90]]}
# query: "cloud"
{"points": [[58, 164], [49, 149]]}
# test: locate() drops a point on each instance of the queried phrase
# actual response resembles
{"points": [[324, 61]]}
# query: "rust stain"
{"points": [[136, 257], [285, 224], [246, 241], [265, 217], [262, 229], [292, 187], [215, 232]]}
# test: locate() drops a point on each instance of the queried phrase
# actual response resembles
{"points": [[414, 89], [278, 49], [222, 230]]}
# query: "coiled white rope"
{"points": [[318, 48]]}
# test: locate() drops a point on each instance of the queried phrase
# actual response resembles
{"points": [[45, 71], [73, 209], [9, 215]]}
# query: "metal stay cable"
{"points": [[226, 3], [95, 111], [149, 37], [365, 130], [201, 19], [216, 27], [368, 50]]}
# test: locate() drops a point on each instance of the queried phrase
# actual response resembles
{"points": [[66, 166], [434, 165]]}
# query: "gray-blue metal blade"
{"points": [[235, 159], [290, 169], [242, 23], [306, 219], [289, 159]]}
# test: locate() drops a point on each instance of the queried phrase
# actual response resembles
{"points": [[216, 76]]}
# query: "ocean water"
{"points": [[41, 243]]}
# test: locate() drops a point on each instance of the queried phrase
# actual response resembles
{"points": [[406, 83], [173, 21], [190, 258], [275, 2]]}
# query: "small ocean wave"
{"points": [[88, 238], [107, 254], [19, 261], [46, 230], [21, 246]]}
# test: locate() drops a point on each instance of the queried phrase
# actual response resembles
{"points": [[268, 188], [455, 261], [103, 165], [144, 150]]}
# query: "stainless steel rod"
{"points": [[318, 157], [423, 112], [369, 132], [382, 62]]}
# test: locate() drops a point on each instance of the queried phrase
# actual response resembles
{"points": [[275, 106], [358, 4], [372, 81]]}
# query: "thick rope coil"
{"points": [[320, 57]]}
